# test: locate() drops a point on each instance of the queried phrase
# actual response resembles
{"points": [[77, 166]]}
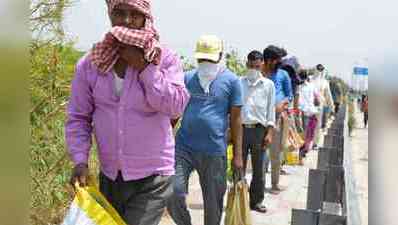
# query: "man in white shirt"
{"points": [[326, 99], [258, 118], [308, 103]]}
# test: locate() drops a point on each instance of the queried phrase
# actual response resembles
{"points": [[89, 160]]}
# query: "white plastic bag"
{"points": [[91, 208]]}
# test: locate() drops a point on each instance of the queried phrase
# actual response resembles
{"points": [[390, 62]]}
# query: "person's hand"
{"points": [[282, 106], [267, 141], [134, 57], [80, 174], [237, 162]]}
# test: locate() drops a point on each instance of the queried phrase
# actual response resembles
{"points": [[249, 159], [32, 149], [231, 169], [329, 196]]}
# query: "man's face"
{"points": [[320, 68], [270, 65], [127, 16], [255, 64]]}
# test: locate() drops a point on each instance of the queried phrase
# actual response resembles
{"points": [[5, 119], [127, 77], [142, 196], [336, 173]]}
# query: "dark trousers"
{"points": [[139, 202], [212, 177], [252, 144], [365, 118], [325, 116], [336, 107]]}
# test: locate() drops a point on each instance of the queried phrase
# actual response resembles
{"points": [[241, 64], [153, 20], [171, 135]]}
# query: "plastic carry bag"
{"points": [[91, 208], [230, 156], [292, 158], [238, 209], [295, 141]]}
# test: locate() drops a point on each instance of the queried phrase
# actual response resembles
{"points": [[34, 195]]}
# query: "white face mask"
{"points": [[316, 76], [319, 74], [207, 70], [253, 75]]}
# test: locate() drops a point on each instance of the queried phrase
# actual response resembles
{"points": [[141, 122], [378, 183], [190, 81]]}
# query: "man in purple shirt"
{"points": [[129, 109]]}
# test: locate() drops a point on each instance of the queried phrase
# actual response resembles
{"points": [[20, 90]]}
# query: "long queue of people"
{"points": [[130, 90], [276, 96]]}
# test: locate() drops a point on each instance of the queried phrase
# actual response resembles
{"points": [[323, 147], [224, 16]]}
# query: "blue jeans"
{"points": [[212, 172], [266, 160]]}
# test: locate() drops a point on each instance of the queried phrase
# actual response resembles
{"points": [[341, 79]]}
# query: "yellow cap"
{"points": [[208, 47]]}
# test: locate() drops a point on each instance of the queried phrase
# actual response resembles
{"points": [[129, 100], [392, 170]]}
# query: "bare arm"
{"points": [[236, 134]]}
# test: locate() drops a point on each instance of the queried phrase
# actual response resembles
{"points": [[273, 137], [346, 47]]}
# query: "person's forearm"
{"points": [[237, 139], [270, 131], [236, 133]]}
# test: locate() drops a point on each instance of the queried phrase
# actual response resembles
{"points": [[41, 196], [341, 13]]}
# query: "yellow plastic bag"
{"points": [[292, 157], [91, 208], [230, 156], [238, 209]]}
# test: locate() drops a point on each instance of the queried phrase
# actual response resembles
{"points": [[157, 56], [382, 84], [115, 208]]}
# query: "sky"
{"points": [[338, 33]]}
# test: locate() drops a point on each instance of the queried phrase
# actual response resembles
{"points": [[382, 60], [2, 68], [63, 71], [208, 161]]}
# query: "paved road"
{"points": [[359, 147]]}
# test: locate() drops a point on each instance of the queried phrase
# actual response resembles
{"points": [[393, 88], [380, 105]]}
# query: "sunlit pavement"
{"points": [[359, 148]]}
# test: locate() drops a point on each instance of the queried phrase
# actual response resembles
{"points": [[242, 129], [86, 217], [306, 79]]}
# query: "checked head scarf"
{"points": [[105, 53]]}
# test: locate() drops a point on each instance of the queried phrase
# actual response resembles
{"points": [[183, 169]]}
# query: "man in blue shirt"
{"points": [[201, 141], [284, 95]]}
